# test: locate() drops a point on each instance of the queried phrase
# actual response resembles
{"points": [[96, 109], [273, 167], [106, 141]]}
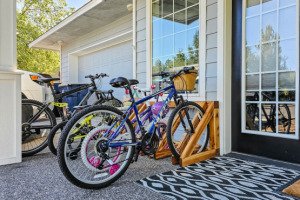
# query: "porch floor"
{"points": [[39, 177]]}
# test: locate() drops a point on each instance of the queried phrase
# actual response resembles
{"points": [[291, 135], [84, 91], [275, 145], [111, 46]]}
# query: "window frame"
{"points": [[243, 92], [201, 95]]}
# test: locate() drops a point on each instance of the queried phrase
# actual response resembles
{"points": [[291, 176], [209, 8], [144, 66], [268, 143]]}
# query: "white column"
{"points": [[10, 87]]}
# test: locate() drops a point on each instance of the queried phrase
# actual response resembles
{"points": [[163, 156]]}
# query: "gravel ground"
{"points": [[39, 177]]}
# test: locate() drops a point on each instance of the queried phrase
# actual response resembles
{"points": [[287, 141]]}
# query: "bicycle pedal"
{"points": [[136, 155]]}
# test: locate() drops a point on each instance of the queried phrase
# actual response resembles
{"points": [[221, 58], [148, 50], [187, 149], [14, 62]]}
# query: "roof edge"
{"points": [[91, 4]]}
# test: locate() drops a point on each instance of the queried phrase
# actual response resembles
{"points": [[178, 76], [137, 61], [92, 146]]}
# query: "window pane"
{"points": [[252, 59], [286, 119], [192, 39], [286, 2], [253, 7], [156, 10], [286, 95], [252, 116], [192, 58], [167, 27], [193, 17], [286, 80], [179, 61], [179, 5], [156, 28], [192, 2], [268, 118], [179, 42], [167, 7], [268, 57], [179, 21], [252, 82], [269, 26], [157, 65], [167, 63], [156, 48], [168, 45], [252, 30], [287, 23], [268, 81], [269, 5], [252, 96], [268, 96], [287, 54]]}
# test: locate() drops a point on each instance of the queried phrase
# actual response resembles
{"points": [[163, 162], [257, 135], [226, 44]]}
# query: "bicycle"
{"points": [[284, 114], [107, 150], [38, 119]]}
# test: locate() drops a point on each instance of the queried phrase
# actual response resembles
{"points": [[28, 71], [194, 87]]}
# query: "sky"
{"points": [[76, 3]]}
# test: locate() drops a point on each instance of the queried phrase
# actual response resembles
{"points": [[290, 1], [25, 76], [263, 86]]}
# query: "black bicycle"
{"points": [[269, 114], [38, 119]]}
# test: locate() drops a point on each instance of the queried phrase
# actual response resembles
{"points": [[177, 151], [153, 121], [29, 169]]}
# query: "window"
{"points": [[175, 37], [270, 68]]}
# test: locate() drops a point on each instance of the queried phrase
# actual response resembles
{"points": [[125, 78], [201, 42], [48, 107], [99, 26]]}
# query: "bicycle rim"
{"points": [[36, 137], [180, 137], [83, 163]]}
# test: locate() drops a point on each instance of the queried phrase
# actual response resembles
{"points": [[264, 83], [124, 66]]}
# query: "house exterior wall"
{"points": [[100, 35], [211, 46]]}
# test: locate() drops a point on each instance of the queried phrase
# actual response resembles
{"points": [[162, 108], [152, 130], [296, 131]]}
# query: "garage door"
{"points": [[114, 61]]}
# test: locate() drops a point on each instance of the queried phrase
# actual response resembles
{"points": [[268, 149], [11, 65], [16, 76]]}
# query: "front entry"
{"points": [[265, 78]]}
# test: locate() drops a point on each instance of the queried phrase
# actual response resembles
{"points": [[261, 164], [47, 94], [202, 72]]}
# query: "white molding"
{"points": [[148, 43], [66, 21], [224, 74], [202, 50], [134, 71]]}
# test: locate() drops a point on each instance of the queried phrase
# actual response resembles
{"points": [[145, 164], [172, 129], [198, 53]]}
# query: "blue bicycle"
{"points": [[108, 149]]}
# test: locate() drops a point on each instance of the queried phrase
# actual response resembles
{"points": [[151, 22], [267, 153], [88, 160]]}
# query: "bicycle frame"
{"points": [[134, 108]]}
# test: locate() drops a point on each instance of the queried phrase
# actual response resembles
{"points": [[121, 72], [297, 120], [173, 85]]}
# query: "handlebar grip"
{"points": [[89, 76], [157, 74]]}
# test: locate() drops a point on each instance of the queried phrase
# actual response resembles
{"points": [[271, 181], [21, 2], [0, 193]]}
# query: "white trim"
{"points": [[65, 22], [202, 49], [224, 73], [243, 93], [134, 71], [148, 43]]}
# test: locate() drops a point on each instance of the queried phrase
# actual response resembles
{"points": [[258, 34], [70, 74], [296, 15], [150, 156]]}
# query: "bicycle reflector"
{"points": [[52, 82], [34, 78]]}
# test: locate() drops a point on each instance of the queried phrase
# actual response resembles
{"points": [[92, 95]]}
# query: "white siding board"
{"points": [[211, 70], [211, 96], [140, 4], [141, 67], [141, 56], [212, 11], [141, 46], [141, 24], [211, 41], [141, 35], [211, 84], [211, 55], [209, 2], [140, 14], [211, 26]]}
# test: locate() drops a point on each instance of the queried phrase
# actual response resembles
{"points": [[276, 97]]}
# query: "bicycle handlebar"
{"points": [[166, 74], [97, 76]]}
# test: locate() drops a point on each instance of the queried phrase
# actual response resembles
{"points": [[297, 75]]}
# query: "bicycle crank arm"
{"points": [[123, 144]]}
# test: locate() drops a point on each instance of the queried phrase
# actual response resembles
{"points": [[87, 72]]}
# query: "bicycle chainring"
{"points": [[149, 143]]}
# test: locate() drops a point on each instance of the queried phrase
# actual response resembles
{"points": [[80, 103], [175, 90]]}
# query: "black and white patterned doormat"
{"points": [[221, 178]]}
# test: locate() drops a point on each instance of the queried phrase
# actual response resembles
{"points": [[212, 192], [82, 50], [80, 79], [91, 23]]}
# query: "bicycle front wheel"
{"points": [[178, 136], [91, 163], [37, 122]]}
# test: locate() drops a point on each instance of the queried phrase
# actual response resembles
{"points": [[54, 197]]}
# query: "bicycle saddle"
{"points": [[48, 80], [122, 82]]}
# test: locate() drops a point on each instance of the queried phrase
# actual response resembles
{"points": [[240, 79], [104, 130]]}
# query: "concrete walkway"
{"points": [[39, 177]]}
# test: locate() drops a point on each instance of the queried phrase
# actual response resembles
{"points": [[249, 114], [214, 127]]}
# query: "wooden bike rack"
{"points": [[211, 117]]}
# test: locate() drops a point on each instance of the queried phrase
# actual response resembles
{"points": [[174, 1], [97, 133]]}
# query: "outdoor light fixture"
{"points": [[129, 7]]}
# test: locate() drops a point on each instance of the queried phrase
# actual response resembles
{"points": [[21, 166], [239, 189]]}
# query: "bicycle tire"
{"points": [[274, 118], [52, 134], [62, 141], [170, 125], [52, 119]]}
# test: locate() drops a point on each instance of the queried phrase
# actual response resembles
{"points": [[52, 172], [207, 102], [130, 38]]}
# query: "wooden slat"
{"points": [[197, 158], [216, 128], [184, 140], [198, 132], [162, 154], [174, 161], [212, 133]]}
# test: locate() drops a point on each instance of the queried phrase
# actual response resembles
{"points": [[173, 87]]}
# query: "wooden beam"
{"points": [[162, 154], [198, 132], [197, 158], [212, 133], [174, 161], [216, 129]]}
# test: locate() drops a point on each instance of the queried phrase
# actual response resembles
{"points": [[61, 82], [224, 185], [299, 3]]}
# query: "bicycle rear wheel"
{"points": [[177, 137], [91, 163], [35, 131]]}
